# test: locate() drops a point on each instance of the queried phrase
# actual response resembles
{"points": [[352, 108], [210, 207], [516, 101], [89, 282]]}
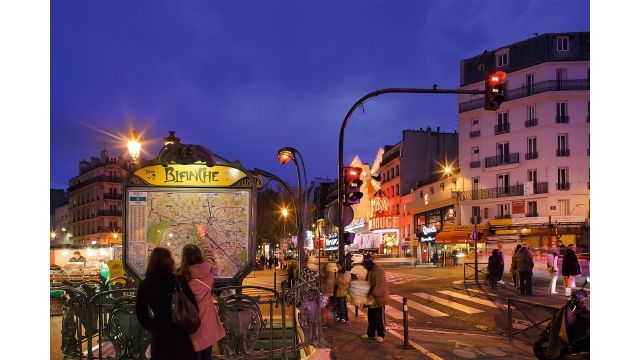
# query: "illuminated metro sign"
{"points": [[190, 175], [384, 222]]}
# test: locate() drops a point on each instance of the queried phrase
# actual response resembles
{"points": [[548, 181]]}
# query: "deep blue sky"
{"points": [[246, 78]]}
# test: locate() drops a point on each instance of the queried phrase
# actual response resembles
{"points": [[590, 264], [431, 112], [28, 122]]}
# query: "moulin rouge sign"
{"points": [[380, 221]]}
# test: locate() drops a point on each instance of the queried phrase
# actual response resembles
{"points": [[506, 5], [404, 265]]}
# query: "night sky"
{"points": [[246, 78]]}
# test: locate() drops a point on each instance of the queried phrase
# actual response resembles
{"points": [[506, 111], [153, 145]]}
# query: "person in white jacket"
{"points": [[552, 267]]}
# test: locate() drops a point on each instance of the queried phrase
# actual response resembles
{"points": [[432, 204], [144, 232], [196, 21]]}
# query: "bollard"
{"points": [[405, 321], [274, 280]]}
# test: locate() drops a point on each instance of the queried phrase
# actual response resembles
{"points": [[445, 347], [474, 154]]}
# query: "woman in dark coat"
{"points": [[496, 268], [167, 341]]}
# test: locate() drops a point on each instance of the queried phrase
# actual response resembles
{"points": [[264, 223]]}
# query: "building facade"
{"points": [[95, 201], [525, 168]]}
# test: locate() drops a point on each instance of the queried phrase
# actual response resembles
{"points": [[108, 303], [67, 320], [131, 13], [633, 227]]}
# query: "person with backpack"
{"points": [[168, 342]]}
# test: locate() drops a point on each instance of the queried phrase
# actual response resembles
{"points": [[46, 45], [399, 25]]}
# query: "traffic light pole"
{"points": [[373, 94]]}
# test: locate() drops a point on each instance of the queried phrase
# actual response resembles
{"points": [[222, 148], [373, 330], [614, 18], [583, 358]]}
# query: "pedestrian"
{"points": [[275, 262], [552, 267], [262, 261], [168, 342], [501, 257], [198, 269], [269, 262], [561, 248], [77, 257], [377, 298], [514, 271], [341, 283], [291, 273], [524, 265], [496, 268], [570, 268]]}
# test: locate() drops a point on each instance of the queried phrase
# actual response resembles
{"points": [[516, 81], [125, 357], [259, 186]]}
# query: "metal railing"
{"points": [[493, 161], [492, 193], [99, 321], [537, 316], [501, 129], [530, 123]]}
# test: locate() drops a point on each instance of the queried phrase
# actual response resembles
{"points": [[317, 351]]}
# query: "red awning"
{"points": [[459, 237]]}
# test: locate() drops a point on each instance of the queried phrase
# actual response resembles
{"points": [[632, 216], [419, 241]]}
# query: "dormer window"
{"points": [[562, 43], [481, 67], [502, 59]]}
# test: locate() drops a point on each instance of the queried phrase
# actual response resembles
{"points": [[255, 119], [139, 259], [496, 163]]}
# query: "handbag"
{"points": [[183, 312]]}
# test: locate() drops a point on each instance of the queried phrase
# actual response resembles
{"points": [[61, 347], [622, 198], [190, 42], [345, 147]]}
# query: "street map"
{"points": [[170, 219]]}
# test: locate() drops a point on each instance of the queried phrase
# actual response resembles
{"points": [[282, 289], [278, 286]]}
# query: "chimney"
{"points": [[104, 156]]}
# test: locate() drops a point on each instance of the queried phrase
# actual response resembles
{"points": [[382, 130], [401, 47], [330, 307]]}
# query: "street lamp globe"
{"points": [[134, 146]]}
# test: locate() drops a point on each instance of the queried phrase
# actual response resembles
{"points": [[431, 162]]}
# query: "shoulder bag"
{"points": [[184, 312]]}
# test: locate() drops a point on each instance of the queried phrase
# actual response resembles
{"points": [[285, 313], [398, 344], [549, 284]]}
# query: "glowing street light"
{"points": [[134, 145]]}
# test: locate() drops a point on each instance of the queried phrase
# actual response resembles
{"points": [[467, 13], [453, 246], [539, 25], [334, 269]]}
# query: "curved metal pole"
{"points": [[341, 144], [300, 230], [270, 176]]}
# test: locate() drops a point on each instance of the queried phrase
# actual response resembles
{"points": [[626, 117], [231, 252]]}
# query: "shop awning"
{"points": [[458, 237]]}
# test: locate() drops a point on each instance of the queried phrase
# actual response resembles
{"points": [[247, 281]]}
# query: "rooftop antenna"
{"points": [[535, 33]]}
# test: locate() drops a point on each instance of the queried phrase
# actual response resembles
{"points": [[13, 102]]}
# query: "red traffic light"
{"points": [[352, 185], [497, 77], [493, 91]]}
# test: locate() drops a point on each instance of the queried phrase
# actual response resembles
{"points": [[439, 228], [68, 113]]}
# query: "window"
{"points": [[503, 184], [392, 175], [531, 116], [503, 211], [475, 211], [397, 209], [561, 78], [563, 207], [502, 59], [532, 208], [398, 170], [441, 186], [532, 175], [480, 67], [502, 152], [397, 189], [431, 190], [392, 193], [561, 112], [503, 123], [563, 43], [532, 148], [474, 122], [563, 179], [474, 183], [530, 82], [563, 146], [421, 194]]}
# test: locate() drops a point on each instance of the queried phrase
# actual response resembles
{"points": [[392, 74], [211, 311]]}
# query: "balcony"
{"points": [[494, 193], [112, 179], [493, 161], [109, 229], [109, 212], [501, 129], [563, 186], [504, 216], [112, 196], [531, 155], [475, 164], [473, 134], [562, 119], [531, 214], [563, 152], [531, 123], [588, 119], [538, 88], [588, 152]]}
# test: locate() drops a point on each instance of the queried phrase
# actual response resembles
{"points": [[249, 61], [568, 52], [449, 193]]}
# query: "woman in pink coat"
{"points": [[199, 271]]}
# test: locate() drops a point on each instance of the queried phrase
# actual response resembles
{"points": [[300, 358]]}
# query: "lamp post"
{"points": [[284, 222], [134, 145], [285, 155]]}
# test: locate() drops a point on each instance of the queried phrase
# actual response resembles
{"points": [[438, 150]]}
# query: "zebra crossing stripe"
{"points": [[453, 304], [414, 305], [476, 300]]}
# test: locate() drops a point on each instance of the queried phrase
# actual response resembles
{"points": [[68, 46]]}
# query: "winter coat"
{"points": [[496, 265], [524, 260], [342, 280], [210, 330], [379, 289], [167, 341], [570, 264], [513, 264]]}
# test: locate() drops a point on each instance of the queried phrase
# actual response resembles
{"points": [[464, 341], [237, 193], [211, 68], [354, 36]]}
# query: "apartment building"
{"points": [[95, 201], [525, 168]]}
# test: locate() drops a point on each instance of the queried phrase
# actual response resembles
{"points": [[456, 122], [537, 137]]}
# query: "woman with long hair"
{"points": [[168, 342], [199, 270]]}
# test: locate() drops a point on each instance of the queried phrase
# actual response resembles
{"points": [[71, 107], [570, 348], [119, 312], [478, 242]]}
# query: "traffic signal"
{"points": [[493, 88], [352, 185]]}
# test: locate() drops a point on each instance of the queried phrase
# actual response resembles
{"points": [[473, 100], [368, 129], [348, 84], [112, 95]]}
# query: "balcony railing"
{"points": [[588, 152], [513, 158], [531, 155], [562, 119], [588, 119], [501, 129], [109, 212], [538, 88], [563, 152], [112, 196], [473, 134], [493, 193], [471, 220], [504, 216], [475, 164], [563, 186], [109, 229], [113, 179], [532, 214], [531, 123]]}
